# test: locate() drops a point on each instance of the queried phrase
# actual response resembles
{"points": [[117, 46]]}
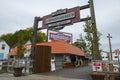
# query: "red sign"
{"points": [[60, 36], [96, 64], [62, 17]]}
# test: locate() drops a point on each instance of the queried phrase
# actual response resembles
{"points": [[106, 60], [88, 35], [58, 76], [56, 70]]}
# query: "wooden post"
{"points": [[110, 54], [34, 37], [96, 54]]}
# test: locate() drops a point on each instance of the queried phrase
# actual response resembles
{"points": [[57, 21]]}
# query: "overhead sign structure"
{"points": [[53, 35], [62, 17]]}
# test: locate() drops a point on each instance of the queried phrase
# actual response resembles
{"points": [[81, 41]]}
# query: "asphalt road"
{"points": [[72, 73], [82, 73]]}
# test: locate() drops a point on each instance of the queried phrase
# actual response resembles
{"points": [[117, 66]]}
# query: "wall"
{"points": [[4, 52]]}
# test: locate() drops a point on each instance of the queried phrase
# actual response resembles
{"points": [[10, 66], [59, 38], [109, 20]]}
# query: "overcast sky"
{"points": [[19, 14]]}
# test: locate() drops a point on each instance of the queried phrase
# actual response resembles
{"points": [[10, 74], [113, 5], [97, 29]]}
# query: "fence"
{"points": [[6, 65]]}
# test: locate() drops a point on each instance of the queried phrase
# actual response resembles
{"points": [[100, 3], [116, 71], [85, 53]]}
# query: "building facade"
{"points": [[4, 49]]}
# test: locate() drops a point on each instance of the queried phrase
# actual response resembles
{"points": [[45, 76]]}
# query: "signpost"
{"points": [[62, 17]]}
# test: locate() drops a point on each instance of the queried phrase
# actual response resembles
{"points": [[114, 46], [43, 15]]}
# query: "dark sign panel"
{"points": [[62, 17]]}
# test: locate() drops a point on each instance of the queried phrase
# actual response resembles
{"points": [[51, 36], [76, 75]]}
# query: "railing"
{"points": [[8, 64]]}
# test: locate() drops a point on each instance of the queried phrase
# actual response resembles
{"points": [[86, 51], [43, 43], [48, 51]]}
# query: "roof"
{"points": [[14, 50], [61, 47], [58, 47]]}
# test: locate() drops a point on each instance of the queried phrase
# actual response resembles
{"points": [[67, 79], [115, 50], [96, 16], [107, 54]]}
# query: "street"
{"points": [[73, 73], [82, 73]]}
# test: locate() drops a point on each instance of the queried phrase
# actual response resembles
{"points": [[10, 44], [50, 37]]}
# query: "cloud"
{"points": [[19, 14]]}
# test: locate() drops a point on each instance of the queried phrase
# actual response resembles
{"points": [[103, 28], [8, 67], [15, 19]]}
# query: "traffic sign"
{"points": [[97, 66]]}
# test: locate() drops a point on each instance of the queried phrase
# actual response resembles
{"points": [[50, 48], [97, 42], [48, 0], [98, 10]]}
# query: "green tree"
{"points": [[41, 37], [8, 38], [90, 29], [25, 34], [82, 44], [20, 51]]}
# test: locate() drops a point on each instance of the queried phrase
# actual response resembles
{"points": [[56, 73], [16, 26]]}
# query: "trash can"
{"points": [[117, 78]]}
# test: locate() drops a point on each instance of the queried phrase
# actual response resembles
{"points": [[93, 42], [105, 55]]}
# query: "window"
{"points": [[106, 57], [3, 46], [116, 56]]}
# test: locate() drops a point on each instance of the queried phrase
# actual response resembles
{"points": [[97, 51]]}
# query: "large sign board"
{"points": [[62, 17], [53, 36]]}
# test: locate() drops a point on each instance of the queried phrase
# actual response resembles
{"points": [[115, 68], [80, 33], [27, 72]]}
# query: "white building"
{"points": [[105, 58], [4, 49]]}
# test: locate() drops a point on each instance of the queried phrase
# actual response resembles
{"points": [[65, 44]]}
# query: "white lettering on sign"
{"points": [[61, 11], [60, 36], [59, 23], [60, 17]]}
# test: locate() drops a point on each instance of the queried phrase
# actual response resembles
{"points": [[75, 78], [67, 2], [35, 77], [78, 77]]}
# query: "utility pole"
{"points": [[110, 54], [96, 54]]}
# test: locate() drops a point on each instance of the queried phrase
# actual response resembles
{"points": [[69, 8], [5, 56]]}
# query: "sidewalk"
{"points": [[8, 76]]}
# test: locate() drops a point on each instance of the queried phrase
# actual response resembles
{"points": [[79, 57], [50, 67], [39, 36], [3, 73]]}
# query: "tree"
{"points": [[20, 50], [25, 34], [81, 43], [7, 38], [93, 42]]}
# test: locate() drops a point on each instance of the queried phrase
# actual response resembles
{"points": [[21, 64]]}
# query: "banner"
{"points": [[53, 35]]}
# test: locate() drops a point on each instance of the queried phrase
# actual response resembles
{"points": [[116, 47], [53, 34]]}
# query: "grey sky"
{"points": [[19, 14]]}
